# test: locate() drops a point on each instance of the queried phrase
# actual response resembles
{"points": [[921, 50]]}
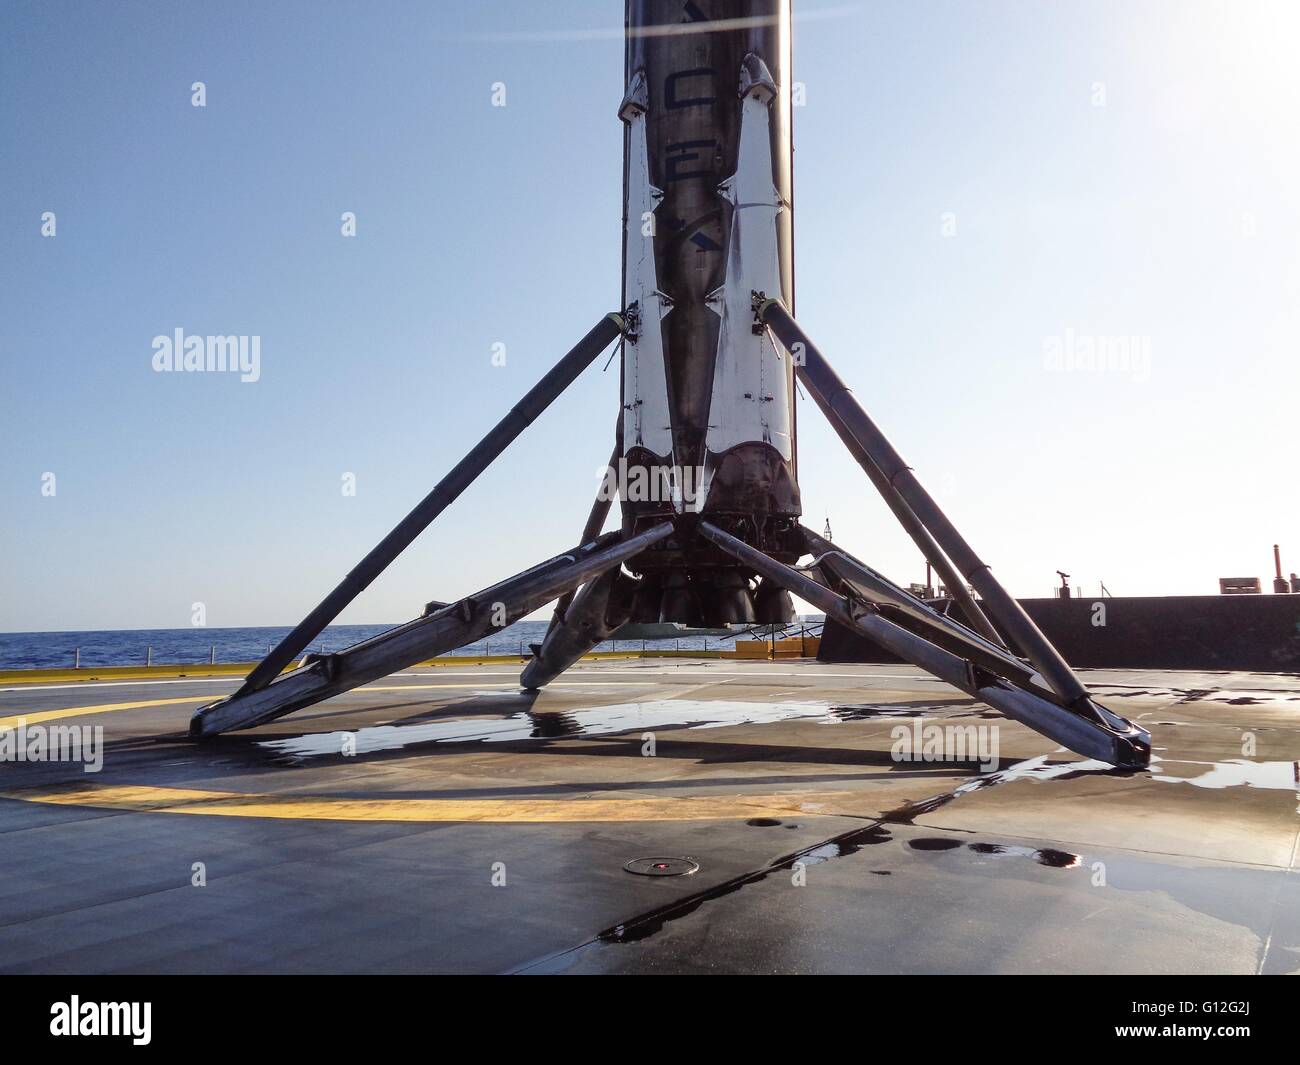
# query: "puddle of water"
{"points": [[869, 713], [1230, 696], [933, 843], [707, 714], [1040, 768], [650, 924], [1048, 856], [593, 721], [841, 846], [1232, 773]]}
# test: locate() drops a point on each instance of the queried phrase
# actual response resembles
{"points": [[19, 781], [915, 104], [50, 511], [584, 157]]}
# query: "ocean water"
{"points": [[131, 647]]}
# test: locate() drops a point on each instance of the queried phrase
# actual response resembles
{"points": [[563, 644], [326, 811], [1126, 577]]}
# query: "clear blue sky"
{"points": [[1171, 212]]}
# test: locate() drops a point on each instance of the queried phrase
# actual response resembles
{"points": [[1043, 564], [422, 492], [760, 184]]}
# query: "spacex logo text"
{"points": [[102, 1018]]}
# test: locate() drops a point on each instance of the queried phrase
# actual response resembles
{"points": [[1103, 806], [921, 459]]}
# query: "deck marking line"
{"points": [[103, 708], [147, 799], [34, 716]]}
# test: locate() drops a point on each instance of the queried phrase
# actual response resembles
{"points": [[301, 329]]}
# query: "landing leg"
{"points": [[442, 630], [843, 573], [595, 522], [1087, 727], [855, 426], [538, 398], [594, 615]]}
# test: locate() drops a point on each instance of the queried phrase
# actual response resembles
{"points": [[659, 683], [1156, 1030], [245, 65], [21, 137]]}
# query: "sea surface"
{"points": [[136, 647]]}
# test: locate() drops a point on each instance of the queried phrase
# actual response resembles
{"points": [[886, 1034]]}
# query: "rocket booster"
{"points": [[707, 396]]}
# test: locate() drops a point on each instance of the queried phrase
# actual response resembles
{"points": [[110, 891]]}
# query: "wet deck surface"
{"points": [[365, 835]]}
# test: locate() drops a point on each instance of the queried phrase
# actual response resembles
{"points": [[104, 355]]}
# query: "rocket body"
{"points": [[708, 420]]}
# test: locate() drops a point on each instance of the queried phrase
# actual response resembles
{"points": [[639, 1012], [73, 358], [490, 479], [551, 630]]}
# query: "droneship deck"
{"points": [[441, 820]]}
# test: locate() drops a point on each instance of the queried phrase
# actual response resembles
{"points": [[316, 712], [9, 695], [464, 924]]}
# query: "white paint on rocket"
{"points": [[646, 419], [752, 375]]}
